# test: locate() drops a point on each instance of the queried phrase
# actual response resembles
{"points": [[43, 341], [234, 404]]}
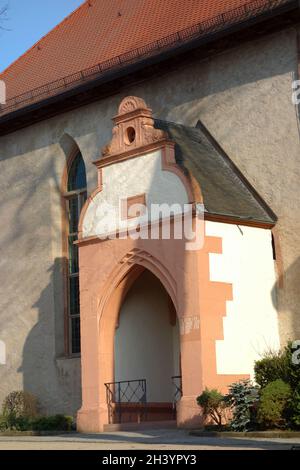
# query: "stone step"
{"points": [[140, 426]]}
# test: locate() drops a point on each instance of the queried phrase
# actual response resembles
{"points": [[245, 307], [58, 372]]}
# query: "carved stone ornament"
{"points": [[134, 128]]}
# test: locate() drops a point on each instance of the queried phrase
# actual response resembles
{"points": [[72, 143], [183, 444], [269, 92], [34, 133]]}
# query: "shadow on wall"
{"points": [[189, 95], [31, 281], [52, 378], [292, 316]]}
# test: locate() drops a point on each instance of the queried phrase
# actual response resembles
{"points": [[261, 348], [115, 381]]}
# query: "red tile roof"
{"points": [[102, 29]]}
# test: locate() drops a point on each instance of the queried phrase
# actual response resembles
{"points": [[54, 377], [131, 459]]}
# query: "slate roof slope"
{"points": [[226, 192], [100, 30]]}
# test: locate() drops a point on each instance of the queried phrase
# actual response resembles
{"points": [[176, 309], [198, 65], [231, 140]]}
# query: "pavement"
{"points": [[174, 439]]}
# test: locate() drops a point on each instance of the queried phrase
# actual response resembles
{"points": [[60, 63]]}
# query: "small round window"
{"points": [[130, 135]]}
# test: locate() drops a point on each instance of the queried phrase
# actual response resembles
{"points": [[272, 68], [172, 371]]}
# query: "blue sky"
{"points": [[27, 21]]}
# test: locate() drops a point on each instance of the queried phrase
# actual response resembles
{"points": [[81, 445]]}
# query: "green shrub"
{"points": [[243, 398], [3, 423], [295, 407], [274, 404], [273, 366], [277, 365], [10, 422], [213, 405], [280, 366], [20, 404], [20, 414], [294, 369], [52, 423]]}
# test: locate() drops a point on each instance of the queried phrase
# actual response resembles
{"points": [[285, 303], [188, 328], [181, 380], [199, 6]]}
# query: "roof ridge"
{"points": [[58, 25]]}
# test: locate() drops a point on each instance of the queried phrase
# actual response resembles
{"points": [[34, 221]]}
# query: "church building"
{"points": [[150, 168]]}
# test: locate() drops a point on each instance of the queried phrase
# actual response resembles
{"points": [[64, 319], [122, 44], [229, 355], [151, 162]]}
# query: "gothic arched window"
{"points": [[75, 198]]}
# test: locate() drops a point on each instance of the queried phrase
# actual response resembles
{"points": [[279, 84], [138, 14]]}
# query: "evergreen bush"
{"points": [[278, 365], [213, 405], [243, 397], [295, 407], [274, 404]]}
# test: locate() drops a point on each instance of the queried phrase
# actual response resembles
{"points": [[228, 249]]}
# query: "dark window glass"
{"points": [[274, 248], [75, 201], [73, 214], [73, 255], [77, 175], [74, 295], [75, 327]]}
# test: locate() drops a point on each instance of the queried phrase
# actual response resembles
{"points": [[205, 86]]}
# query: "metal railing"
{"points": [[252, 9], [177, 386], [118, 394]]}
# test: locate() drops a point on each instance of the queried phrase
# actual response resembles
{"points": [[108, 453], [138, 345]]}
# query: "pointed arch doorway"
{"points": [[139, 345], [147, 368]]}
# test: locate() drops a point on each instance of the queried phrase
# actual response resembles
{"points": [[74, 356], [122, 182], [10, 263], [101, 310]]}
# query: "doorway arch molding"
{"points": [[125, 274], [99, 358]]}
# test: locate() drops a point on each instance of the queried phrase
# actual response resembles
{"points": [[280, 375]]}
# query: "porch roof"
{"points": [[226, 191]]}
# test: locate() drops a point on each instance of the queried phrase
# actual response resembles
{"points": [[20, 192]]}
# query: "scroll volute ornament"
{"points": [[134, 128]]}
